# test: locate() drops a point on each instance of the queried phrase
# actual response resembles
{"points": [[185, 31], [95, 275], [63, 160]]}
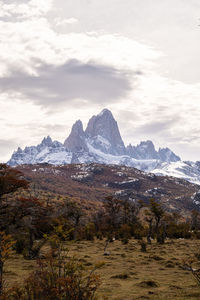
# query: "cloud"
{"points": [[59, 84], [6, 147], [24, 9], [171, 26], [157, 127], [63, 22], [17, 1], [5, 144]]}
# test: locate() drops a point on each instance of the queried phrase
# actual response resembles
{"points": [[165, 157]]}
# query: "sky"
{"points": [[63, 60]]}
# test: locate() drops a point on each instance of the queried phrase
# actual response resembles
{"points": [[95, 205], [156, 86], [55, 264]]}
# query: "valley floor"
{"points": [[128, 273]]}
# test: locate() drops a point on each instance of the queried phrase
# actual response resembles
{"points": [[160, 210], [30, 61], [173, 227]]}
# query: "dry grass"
{"points": [[129, 273]]}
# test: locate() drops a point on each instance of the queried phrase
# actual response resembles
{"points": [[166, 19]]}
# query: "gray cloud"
{"points": [[128, 116], [157, 127], [167, 25], [13, 16], [39, 127], [55, 85]]}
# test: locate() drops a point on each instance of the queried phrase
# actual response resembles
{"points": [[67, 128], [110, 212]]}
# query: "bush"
{"points": [[54, 280], [139, 233], [181, 230]]}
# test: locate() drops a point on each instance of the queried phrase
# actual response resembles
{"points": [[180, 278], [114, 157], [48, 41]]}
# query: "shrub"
{"points": [[139, 233], [55, 281], [181, 230]]}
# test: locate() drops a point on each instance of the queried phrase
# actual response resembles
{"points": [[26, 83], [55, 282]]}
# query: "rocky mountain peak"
{"points": [[104, 126], [104, 112], [77, 128], [165, 154], [19, 150], [145, 150], [76, 140], [47, 141], [146, 144]]}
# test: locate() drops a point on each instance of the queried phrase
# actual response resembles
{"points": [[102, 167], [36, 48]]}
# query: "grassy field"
{"points": [[129, 273]]}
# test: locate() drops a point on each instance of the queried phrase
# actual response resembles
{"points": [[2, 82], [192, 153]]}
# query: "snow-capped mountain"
{"points": [[48, 151], [187, 170], [101, 142]]}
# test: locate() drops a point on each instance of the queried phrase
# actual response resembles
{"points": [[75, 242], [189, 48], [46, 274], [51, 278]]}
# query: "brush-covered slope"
{"points": [[93, 182]]}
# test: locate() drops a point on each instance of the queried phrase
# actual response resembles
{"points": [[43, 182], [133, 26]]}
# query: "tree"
{"points": [[156, 213], [149, 220], [32, 220], [195, 220], [130, 212], [112, 208], [70, 214], [10, 181]]}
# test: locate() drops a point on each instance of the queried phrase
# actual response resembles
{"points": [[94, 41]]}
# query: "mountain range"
{"points": [[101, 142]]}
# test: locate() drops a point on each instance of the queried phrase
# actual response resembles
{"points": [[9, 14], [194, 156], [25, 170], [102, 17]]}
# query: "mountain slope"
{"points": [[93, 182]]}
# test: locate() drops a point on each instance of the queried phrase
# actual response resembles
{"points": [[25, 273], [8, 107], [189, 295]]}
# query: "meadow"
{"points": [[128, 273]]}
